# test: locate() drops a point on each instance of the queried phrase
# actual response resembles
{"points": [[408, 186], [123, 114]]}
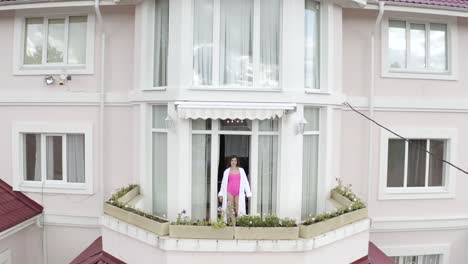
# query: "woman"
{"points": [[234, 188]]}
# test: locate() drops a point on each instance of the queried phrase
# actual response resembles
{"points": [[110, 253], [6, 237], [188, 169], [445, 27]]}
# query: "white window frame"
{"points": [[452, 66], [447, 191], [5, 257], [419, 250], [216, 85], [50, 129], [19, 68], [254, 134]]}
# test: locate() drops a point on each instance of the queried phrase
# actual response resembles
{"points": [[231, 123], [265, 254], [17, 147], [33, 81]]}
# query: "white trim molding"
{"points": [[452, 43], [5, 257], [19, 128], [409, 224], [18, 227], [419, 250], [71, 220], [56, 68], [446, 191]]}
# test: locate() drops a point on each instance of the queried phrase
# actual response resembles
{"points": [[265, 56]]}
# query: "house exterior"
{"points": [[96, 95]]}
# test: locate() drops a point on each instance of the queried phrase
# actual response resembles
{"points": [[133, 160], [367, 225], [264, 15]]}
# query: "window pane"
{"points": [[201, 124], [417, 58], [438, 47], [397, 44], [396, 163], [160, 174], [33, 41], [236, 42], [77, 31], [54, 158], [309, 175], [202, 42], [236, 125], [161, 36], [76, 158], [56, 40], [431, 259], [269, 125], [201, 165], [32, 157], [159, 116], [409, 260], [267, 174], [416, 163], [311, 115], [270, 18], [436, 166], [312, 44]]}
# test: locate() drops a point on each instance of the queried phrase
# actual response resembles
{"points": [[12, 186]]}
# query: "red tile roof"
{"points": [[15, 207], [375, 256], [434, 3], [95, 255]]}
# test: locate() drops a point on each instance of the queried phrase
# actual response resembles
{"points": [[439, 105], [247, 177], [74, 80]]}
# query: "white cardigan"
{"points": [[244, 190]]}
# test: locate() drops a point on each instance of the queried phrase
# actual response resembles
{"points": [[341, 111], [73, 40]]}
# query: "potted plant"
{"points": [[185, 227], [265, 228]]}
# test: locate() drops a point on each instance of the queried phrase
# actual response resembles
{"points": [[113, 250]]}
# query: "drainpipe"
{"points": [[371, 99], [101, 107]]}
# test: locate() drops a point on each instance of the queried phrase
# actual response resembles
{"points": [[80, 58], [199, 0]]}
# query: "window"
{"points": [[55, 43], [312, 44], [418, 47], [236, 43], [5, 257], [408, 171], [421, 259], [159, 156], [409, 165], [310, 162], [52, 158], [161, 41]]}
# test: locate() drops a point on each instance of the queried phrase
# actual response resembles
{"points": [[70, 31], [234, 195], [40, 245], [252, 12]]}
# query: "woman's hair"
{"points": [[234, 157]]}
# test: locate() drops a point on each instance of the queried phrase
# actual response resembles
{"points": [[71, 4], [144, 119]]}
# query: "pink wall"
{"points": [[25, 245]]}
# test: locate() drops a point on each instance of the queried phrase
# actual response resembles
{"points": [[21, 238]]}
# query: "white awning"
{"points": [[229, 110]]}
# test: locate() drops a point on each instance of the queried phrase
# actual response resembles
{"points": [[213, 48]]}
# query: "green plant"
{"points": [[137, 211], [121, 192], [266, 221], [184, 219]]}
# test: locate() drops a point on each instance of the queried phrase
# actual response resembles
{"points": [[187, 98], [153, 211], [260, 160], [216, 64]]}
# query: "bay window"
{"points": [[159, 156], [310, 162], [236, 43], [421, 259]]}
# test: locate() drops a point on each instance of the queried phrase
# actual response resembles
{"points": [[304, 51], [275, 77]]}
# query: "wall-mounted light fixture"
{"points": [[301, 123], [170, 124], [49, 80]]}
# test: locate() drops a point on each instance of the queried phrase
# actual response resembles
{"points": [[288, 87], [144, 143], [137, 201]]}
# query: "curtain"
{"points": [[201, 164], [75, 158], [431, 259], [160, 173], [236, 145], [161, 36], [396, 163], [416, 163], [309, 175], [267, 174], [32, 152], [54, 158], [312, 44], [270, 19], [236, 42], [202, 42]]}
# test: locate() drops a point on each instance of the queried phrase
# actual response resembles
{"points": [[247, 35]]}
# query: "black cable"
{"points": [[405, 139]]}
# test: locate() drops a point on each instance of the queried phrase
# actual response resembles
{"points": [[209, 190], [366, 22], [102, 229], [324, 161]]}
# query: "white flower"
{"points": [[355, 199], [349, 208], [250, 222], [313, 219]]}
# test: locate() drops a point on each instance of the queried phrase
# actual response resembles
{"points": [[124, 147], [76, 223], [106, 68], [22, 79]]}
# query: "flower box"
{"points": [[313, 230], [342, 200], [130, 195], [159, 228], [201, 232], [266, 233]]}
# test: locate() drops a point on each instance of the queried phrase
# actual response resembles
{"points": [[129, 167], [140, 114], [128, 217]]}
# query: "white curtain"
{"points": [[431, 259], [160, 173], [416, 163], [309, 175], [75, 158], [236, 42], [270, 19], [161, 36], [202, 42], [54, 158], [267, 174], [32, 148], [201, 162], [312, 44]]}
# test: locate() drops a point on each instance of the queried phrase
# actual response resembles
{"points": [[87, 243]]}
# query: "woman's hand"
{"points": [[220, 198]]}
